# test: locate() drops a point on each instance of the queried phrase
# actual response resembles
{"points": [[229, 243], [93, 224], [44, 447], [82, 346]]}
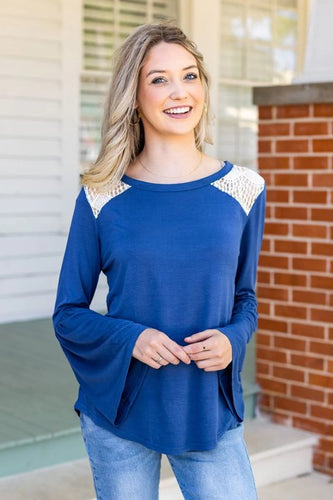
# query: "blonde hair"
{"points": [[122, 134]]}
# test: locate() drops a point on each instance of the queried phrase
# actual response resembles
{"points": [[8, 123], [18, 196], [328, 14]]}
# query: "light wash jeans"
{"points": [[125, 470]]}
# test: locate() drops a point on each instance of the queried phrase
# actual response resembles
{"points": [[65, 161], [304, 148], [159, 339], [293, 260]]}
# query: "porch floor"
{"points": [[37, 389]]}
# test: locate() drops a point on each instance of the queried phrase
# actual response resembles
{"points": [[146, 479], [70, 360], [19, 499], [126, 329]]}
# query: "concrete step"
{"points": [[306, 487], [278, 452]]}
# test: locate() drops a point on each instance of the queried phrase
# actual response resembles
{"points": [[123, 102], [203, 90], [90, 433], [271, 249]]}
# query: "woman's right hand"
{"points": [[156, 349]]}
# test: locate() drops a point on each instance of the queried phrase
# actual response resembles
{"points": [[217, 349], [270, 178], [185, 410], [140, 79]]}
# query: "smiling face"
{"points": [[170, 94]]}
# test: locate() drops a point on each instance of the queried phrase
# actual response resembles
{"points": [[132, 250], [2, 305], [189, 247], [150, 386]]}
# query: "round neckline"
{"points": [[179, 186]]}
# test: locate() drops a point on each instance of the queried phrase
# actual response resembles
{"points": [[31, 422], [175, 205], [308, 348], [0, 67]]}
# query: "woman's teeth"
{"points": [[178, 111]]}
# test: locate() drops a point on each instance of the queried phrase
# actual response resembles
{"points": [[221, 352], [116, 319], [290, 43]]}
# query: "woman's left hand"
{"points": [[211, 350]]}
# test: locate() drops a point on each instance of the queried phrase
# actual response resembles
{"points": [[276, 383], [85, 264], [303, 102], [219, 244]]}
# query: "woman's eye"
{"points": [[191, 76], [159, 79]]}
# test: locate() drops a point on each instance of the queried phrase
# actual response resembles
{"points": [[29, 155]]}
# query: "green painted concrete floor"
{"points": [[38, 426]]}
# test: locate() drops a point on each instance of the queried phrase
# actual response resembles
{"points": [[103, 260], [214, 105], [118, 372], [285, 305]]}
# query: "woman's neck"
{"points": [[173, 160]]}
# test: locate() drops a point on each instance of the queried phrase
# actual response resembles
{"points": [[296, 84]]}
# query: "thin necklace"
{"points": [[171, 177]]}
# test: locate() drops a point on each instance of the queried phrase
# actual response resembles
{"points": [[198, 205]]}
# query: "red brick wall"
{"points": [[295, 280]]}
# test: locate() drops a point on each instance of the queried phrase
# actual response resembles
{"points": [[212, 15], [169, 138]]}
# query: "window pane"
{"points": [[259, 25], [284, 64], [228, 102], [227, 141], [247, 149], [286, 27], [268, 4], [232, 65], [259, 62], [233, 32], [233, 20], [287, 3], [237, 125]]}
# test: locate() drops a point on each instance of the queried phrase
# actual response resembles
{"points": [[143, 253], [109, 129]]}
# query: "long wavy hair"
{"points": [[122, 133]]}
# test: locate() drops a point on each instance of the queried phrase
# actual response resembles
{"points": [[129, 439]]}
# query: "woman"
{"points": [[177, 234]]}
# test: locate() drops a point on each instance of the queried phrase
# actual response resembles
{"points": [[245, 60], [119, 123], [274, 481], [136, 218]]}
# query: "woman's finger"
{"points": [[154, 364], [213, 368], [201, 355], [198, 348], [177, 351], [197, 337], [213, 364], [167, 356], [154, 347]]}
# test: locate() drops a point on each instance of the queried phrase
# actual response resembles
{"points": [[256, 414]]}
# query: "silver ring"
{"points": [[159, 359]]}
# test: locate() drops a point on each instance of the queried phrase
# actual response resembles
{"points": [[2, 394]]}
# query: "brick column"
{"points": [[295, 280]]}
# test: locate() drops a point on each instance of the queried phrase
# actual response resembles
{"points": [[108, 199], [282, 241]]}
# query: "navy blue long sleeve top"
{"points": [[180, 258]]}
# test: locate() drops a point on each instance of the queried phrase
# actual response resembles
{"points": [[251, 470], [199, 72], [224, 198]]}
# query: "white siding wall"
{"points": [[39, 89]]}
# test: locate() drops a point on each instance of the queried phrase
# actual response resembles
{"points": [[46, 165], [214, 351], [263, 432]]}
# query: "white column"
{"points": [[318, 63]]}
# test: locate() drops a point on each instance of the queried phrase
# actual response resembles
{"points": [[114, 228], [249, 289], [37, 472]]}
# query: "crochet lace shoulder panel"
{"points": [[243, 184], [97, 199]]}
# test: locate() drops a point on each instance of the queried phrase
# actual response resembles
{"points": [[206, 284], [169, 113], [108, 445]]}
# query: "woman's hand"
{"points": [[156, 349], [211, 350]]}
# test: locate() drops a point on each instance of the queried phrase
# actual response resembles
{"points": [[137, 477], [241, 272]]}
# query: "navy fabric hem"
{"points": [[208, 445]]}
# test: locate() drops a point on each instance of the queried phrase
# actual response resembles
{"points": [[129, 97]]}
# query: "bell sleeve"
{"points": [[98, 347], [244, 315]]}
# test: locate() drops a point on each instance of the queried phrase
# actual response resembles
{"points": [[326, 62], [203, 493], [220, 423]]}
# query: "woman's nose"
{"points": [[178, 91]]}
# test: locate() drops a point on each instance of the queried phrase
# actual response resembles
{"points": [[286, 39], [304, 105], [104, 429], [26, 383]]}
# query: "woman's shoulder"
{"points": [[245, 175], [233, 172], [242, 183], [98, 198]]}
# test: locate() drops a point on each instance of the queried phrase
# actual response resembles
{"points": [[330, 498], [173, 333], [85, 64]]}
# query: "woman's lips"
{"points": [[178, 112]]}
